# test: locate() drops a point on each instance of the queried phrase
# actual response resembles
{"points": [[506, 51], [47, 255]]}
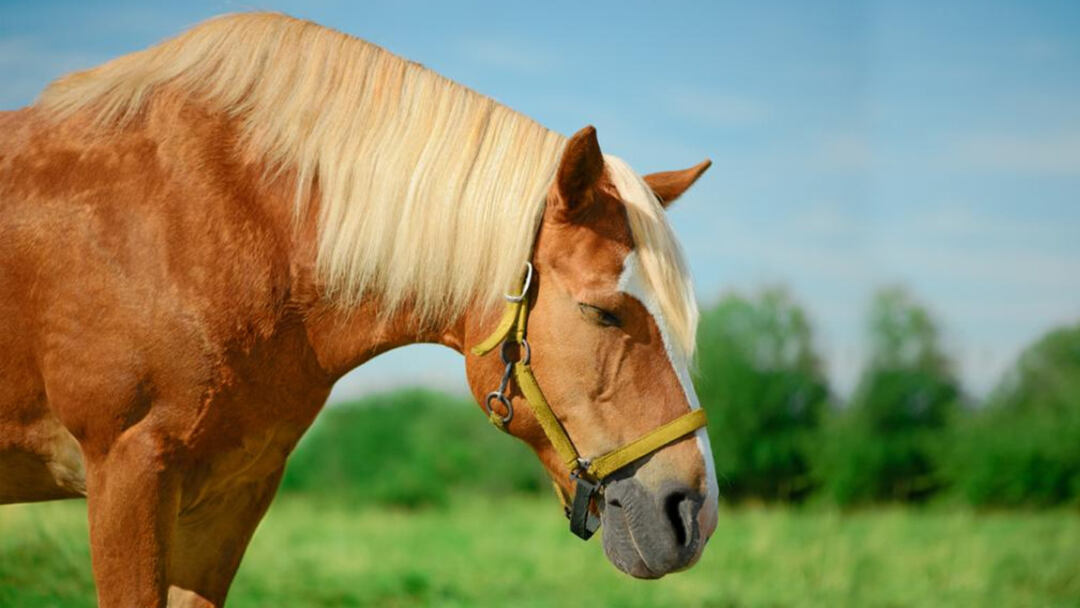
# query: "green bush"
{"points": [[409, 448], [887, 445], [760, 381], [1008, 460], [857, 465], [1023, 448]]}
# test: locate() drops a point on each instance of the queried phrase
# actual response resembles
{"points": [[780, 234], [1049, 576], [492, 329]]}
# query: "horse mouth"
{"points": [[648, 572], [641, 538], [622, 549]]}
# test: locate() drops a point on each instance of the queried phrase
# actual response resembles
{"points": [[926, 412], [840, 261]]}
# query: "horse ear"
{"points": [[580, 168], [669, 185]]}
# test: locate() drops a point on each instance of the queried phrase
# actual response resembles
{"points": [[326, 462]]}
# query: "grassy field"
{"points": [[517, 552]]}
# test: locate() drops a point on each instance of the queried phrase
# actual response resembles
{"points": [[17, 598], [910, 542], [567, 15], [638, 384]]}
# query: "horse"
{"points": [[198, 239]]}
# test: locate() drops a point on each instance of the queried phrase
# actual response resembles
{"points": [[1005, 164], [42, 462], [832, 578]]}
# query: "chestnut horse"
{"points": [[197, 240]]}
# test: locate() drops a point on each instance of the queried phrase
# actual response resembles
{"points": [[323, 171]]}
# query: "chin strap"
{"points": [[588, 475]]}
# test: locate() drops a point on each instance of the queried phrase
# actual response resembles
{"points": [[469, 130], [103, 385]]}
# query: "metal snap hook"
{"points": [[506, 403], [525, 288]]}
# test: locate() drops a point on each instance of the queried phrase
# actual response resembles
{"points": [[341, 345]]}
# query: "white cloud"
{"points": [[960, 242], [995, 283], [1042, 49], [515, 55], [843, 152], [1050, 154], [826, 241], [713, 108]]}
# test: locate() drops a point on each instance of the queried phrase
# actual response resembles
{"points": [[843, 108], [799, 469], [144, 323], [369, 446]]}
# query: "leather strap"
{"points": [[582, 521], [603, 466]]}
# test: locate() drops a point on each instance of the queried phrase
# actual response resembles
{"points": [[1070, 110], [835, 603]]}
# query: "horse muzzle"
{"points": [[649, 534]]}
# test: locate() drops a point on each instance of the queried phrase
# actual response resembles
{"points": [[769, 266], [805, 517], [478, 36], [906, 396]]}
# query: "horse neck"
{"points": [[343, 338]]}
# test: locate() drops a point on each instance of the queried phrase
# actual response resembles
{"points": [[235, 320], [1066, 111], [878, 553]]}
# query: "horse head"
{"points": [[610, 318]]}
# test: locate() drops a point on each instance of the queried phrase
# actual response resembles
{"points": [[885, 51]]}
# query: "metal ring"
{"points": [[523, 360], [505, 401], [525, 289]]}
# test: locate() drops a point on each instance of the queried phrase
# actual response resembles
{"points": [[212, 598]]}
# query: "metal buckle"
{"points": [[582, 521], [525, 288]]}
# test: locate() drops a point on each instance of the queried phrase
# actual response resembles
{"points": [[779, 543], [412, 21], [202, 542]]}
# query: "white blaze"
{"points": [[632, 283]]}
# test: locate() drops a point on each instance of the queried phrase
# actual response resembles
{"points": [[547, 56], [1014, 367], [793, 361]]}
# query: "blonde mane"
{"points": [[659, 256], [443, 209]]}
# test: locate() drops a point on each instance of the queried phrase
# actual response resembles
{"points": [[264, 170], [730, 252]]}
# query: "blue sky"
{"points": [[854, 144]]}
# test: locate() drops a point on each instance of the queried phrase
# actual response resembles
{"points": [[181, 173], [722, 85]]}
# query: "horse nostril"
{"points": [[681, 511]]}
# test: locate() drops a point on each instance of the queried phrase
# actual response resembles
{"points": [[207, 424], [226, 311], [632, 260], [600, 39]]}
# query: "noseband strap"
{"points": [[588, 475]]}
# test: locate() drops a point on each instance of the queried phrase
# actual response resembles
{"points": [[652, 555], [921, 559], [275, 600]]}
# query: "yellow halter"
{"points": [[589, 474]]}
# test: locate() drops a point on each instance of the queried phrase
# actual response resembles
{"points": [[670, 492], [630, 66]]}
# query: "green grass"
{"points": [[516, 551]]}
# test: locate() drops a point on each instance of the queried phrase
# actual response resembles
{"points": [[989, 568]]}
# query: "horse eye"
{"points": [[599, 315]]}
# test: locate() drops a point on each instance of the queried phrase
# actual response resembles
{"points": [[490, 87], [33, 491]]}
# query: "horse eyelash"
{"points": [[599, 315]]}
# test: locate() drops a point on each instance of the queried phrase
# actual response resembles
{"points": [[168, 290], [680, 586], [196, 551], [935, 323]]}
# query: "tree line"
{"points": [[908, 432]]}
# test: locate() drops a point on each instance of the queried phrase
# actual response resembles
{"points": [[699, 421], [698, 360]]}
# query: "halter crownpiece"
{"points": [[588, 474]]}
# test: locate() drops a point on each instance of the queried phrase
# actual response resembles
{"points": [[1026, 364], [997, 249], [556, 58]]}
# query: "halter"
{"points": [[588, 474]]}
